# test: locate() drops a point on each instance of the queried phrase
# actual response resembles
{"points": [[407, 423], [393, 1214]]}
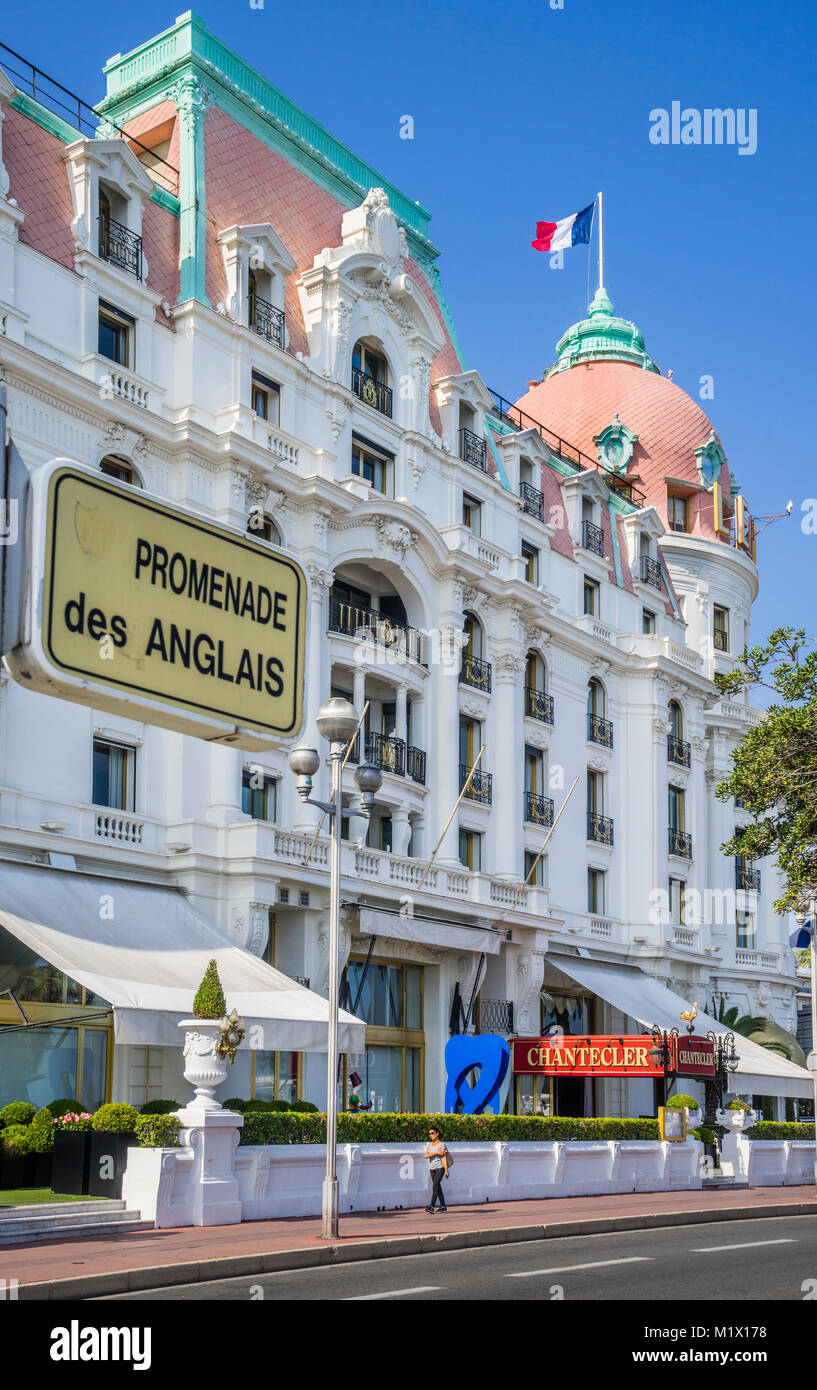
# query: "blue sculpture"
{"points": [[486, 1051]]}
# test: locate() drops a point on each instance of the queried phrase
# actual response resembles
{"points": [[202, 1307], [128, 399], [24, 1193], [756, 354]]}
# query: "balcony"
{"points": [[387, 753], [650, 571], [593, 538], [538, 705], [472, 449], [370, 626], [679, 843], [119, 246], [599, 730], [677, 751], [533, 502], [416, 764], [481, 785], [720, 639], [599, 828], [475, 672], [371, 392], [495, 1016], [746, 877], [267, 321], [538, 809]]}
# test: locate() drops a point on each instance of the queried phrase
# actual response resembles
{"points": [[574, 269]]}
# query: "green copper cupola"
{"points": [[601, 337]]}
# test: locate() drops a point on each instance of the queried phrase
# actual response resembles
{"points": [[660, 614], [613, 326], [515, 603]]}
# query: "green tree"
{"points": [[774, 767], [209, 1001]]}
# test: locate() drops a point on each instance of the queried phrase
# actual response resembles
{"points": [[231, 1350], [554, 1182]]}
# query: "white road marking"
{"points": [[747, 1245], [591, 1264], [393, 1293]]}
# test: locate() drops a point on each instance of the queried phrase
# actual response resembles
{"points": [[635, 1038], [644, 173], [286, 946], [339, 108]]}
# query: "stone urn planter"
{"points": [[736, 1121], [203, 1067]]}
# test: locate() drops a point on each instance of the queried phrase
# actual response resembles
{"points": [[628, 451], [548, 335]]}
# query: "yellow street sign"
{"points": [[143, 604]]}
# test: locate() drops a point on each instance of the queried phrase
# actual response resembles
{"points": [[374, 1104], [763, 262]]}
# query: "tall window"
{"points": [[259, 794], [595, 698], [534, 772], [389, 997], [647, 621], [115, 337], [470, 730], [472, 631], [537, 878], [595, 792], [720, 628], [471, 850], [676, 807], [595, 892], [591, 597], [113, 775], [530, 560], [743, 932], [676, 719], [372, 464], [677, 913], [266, 398], [677, 513], [472, 514]]}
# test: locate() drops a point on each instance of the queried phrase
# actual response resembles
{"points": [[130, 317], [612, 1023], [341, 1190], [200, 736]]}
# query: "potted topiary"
{"points": [[14, 1156], [685, 1102], [17, 1112], [210, 1040], [41, 1145], [113, 1132], [70, 1170]]}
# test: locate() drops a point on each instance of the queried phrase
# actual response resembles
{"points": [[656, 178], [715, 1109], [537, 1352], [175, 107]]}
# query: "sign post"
{"points": [[139, 607]]}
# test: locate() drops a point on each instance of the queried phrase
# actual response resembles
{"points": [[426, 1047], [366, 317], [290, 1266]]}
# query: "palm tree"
{"points": [[747, 1025]]}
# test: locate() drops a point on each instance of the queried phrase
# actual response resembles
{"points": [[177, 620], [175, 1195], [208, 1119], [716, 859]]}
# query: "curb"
{"points": [[106, 1285]]}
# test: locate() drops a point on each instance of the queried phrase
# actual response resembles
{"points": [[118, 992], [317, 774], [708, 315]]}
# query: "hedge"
{"points": [[781, 1129], [294, 1128], [158, 1131]]}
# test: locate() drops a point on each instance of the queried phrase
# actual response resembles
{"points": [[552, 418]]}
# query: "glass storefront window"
{"points": [[287, 1076], [570, 1012], [414, 996], [276, 1076], [94, 1068], [38, 1065]]}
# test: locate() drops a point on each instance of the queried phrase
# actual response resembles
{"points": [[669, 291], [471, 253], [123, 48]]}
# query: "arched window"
{"points": [[262, 527], [472, 630], [538, 704], [676, 719], [114, 466], [370, 376], [595, 698]]}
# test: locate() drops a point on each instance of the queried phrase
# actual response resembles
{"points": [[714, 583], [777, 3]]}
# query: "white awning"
{"points": [[432, 931], [648, 1001], [144, 950]]}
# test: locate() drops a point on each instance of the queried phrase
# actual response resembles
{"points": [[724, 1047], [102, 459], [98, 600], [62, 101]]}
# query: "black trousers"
{"points": [[437, 1175]]}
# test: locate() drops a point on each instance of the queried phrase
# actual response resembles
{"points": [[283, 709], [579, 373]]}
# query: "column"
{"points": [[401, 713], [509, 814], [400, 830], [192, 100], [226, 766]]}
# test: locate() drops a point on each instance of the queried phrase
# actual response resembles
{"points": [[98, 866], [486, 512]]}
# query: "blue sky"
{"points": [[522, 112]]}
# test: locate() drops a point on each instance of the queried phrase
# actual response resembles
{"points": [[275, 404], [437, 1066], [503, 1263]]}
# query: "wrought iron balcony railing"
{"points": [[120, 246], [538, 705], [373, 393], [472, 449], [746, 877], [386, 752], [369, 625], [538, 809], [680, 843], [650, 571], [416, 764], [677, 751], [495, 1016], [599, 730], [480, 787], [476, 672], [267, 321], [599, 828], [533, 502], [593, 538], [720, 639]]}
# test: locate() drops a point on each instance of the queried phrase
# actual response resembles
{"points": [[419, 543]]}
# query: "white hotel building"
{"points": [[232, 311]]}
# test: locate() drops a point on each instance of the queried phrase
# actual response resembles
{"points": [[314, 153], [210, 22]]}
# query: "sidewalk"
{"points": [[96, 1266]]}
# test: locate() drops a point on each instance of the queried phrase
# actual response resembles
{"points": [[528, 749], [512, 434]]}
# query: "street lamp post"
{"points": [[338, 723]]}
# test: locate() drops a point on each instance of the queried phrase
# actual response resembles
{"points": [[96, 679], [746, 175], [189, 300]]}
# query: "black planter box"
{"points": [[14, 1170], [41, 1166], [71, 1160], [109, 1159]]}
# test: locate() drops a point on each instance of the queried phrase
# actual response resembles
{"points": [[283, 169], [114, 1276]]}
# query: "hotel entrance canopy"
{"points": [[144, 950], [646, 1000]]}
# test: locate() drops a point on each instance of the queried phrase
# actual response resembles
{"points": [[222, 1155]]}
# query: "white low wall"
{"points": [[768, 1162], [285, 1179]]}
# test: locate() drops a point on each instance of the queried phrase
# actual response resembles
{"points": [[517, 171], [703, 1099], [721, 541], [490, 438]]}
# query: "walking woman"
{"points": [[437, 1155]]}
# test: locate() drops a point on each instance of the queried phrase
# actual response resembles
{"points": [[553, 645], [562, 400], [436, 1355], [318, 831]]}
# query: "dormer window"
{"points": [[370, 378], [472, 445], [256, 265], [677, 513], [117, 244], [592, 535]]}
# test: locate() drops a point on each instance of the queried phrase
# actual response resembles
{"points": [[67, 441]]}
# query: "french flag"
{"points": [[571, 231]]}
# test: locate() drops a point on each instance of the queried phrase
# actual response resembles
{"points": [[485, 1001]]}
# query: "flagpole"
{"points": [[601, 242]]}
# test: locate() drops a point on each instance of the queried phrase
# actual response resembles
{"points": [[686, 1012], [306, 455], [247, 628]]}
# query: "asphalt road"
{"points": [[769, 1259]]}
